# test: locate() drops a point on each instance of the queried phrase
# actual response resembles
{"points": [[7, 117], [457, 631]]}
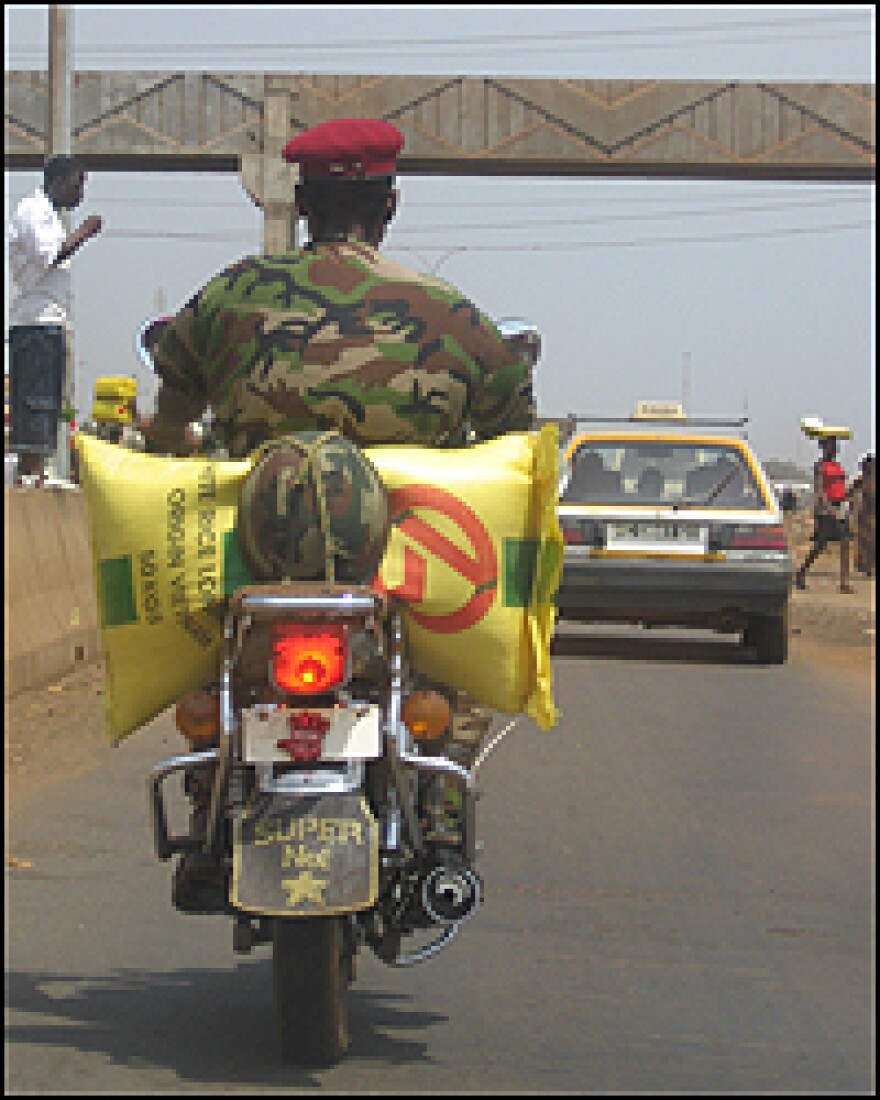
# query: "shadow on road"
{"points": [[205, 1026], [708, 649]]}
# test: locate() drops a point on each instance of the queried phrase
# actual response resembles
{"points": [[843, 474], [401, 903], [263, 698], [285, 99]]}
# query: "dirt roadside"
{"points": [[57, 731]]}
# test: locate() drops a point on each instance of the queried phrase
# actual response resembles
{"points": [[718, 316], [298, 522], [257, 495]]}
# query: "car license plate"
{"points": [[294, 856], [669, 538]]}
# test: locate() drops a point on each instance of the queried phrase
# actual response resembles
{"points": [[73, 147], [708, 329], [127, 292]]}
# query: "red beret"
{"points": [[350, 148]]}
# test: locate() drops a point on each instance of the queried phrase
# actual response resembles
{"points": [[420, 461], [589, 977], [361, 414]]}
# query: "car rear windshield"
{"points": [[686, 474]]}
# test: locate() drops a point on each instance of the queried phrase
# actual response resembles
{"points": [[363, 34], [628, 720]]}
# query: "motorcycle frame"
{"points": [[404, 759]]}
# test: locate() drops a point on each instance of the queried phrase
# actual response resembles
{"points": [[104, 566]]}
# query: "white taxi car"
{"points": [[670, 521]]}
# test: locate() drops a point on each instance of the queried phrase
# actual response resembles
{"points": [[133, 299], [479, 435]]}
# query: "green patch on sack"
{"points": [[531, 572], [235, 573], [520, 559], [117, 592], [549, 573]]}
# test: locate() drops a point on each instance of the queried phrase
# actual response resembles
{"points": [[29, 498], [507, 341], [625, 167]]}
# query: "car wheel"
{"points": [[768, 634]]}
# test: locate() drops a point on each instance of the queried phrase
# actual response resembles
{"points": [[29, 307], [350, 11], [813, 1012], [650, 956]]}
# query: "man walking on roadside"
{"points": [[39, 262], [831, 508]]}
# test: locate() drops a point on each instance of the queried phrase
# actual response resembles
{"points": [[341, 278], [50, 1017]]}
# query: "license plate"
{"points": [[305, 856], [349, 733], [662, 537]]}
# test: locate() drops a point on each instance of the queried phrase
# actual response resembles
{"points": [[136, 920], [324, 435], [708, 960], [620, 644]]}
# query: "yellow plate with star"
{"points": [[305, 856]]}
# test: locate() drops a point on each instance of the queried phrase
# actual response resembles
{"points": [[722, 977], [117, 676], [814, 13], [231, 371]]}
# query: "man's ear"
{"points": [[391, 207]]}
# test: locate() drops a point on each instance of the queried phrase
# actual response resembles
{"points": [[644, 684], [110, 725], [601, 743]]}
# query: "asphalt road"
{"points": [[679, 897]]}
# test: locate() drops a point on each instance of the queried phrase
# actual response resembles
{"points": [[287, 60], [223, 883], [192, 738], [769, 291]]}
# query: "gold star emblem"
{"points": [[304, 887]]}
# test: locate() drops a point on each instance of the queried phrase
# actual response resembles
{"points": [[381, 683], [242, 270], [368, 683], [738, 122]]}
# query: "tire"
{"points": [[769, 636], [310, 973]]}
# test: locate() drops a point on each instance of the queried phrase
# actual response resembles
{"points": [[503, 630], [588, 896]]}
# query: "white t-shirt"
{"points": [[36, 234]]}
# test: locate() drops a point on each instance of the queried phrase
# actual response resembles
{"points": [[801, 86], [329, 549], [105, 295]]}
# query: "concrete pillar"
{"points": [[267, 179], [60, 41]]}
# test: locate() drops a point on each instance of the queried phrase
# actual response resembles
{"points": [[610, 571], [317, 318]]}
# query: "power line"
{"points": [[600, 219], [205, 55], [560, 41], [580, 201], [525, 38], [544, 246], [563, 246], [604, 219]]}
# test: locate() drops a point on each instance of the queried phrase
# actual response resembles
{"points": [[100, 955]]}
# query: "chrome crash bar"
{"points": [[166, 845], [403, 759]]}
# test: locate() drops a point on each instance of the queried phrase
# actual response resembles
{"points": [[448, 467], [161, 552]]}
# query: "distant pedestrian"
{"points": [[831, 513], [865, 514], [39, 263]]}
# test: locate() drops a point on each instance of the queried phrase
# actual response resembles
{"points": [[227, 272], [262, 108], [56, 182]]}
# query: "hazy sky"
{"points": [[766, 290]]}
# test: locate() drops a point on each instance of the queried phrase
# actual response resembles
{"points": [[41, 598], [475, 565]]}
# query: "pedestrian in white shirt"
{"points": [[39, 262]]}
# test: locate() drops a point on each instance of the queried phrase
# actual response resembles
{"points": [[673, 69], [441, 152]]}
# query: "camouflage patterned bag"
{"points": [[313, 508]]}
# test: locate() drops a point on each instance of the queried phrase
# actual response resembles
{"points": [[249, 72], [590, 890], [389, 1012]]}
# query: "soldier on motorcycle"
{"points": [[335, 335]]}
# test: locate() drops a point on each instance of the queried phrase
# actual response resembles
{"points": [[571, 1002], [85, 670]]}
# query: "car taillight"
{"points": [[571, 532], [581, 532], [308, 660], [758, 538]]}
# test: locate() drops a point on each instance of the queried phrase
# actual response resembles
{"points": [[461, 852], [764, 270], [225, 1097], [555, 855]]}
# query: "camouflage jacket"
{"points": [[336, 336]]}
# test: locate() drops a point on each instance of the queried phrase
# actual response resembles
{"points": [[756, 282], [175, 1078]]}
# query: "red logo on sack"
{"points": [[481, 570]]}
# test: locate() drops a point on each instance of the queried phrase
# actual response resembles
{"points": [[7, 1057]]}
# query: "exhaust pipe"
{"points": [[451, 895]]}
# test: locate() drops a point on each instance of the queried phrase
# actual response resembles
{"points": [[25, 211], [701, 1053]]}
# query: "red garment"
{"points": [[833, 482]]}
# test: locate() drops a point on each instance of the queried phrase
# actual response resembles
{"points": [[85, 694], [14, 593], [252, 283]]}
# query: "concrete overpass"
{"points": [[238, 122]]}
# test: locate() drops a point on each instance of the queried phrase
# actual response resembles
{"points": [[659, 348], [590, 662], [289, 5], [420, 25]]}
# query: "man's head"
{"points": [[829, 448], [347, 169], [64, 180]]}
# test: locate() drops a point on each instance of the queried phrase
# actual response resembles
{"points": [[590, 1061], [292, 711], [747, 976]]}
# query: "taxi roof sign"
{"points": [[659, 410]]}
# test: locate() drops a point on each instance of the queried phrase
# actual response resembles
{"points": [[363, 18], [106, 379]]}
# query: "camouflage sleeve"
{"points": [[183, 363], [505, 400], [179, 365]]}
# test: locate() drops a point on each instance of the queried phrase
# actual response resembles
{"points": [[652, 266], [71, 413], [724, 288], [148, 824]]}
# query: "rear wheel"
{"points": [[310, 973], [768, 634]]}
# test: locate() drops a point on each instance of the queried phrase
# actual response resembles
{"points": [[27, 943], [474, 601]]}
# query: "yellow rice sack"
{"points": [[475, 556]]}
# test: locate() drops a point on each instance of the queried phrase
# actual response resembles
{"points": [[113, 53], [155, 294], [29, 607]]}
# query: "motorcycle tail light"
{"points": [[426, 715], [308, 660], [758, 538], [198, 717]]}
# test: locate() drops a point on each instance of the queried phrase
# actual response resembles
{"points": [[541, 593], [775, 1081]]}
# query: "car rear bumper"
{"points": [[714, 594]]}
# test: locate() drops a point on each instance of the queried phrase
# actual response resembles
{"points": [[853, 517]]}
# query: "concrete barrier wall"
{"points": [[51, 622]]}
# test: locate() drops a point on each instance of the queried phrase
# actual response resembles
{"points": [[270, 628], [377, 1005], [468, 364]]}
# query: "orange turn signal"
{"points": [[198, 717], [426, 715]]}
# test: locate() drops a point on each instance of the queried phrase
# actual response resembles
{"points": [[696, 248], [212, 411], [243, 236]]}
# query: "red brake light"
{"points": [[308, 660], [572, 532], [758, 538]]}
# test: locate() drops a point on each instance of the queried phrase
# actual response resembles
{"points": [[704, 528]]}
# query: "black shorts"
{"points": [[831, 526]]}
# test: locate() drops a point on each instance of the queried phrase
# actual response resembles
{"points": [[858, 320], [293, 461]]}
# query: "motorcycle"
{"points": [[326, 816], [331, 799]]}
